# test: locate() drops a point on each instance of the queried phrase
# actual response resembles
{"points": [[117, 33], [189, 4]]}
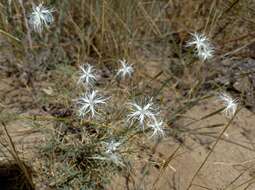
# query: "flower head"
{"points": [[142, 113], [89, 103], [115, 158], [87, 75], [111, 152], [198, 40], [206, 53], [125, 70], [157, 127], [203, 47], [112, 146], [40, 17], [229, 103]]}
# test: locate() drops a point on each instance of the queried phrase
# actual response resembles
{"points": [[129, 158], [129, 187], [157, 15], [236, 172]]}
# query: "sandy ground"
{"points": [[230, 166], [24, 131]]}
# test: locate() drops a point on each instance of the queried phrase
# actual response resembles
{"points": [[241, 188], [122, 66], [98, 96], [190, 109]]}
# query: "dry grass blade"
{"points": [[252, 180], [165, 164], [12, 150], [230, 141], [236, 179], [29, 38], [10, 36], [153, 25], [231, 6], [211, 114], [238, 49], [203, 187], [205, 117], [211, 151]]}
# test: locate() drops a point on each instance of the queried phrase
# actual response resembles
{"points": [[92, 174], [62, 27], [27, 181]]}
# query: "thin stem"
{"points": [[211, 151], [26, 24]]}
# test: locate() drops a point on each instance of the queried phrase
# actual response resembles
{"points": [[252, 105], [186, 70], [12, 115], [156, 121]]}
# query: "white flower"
{"points": [[116, 159], [229, 103], [203, 47], [198, 40], [111, 154], [40, 17], [142, 112], [207, 53], [89, 103], [157, 127], [125, 70], [111, 146], [87, 75]]}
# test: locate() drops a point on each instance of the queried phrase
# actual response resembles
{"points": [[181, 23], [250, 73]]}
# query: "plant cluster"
{"points": [[101, 136]]}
